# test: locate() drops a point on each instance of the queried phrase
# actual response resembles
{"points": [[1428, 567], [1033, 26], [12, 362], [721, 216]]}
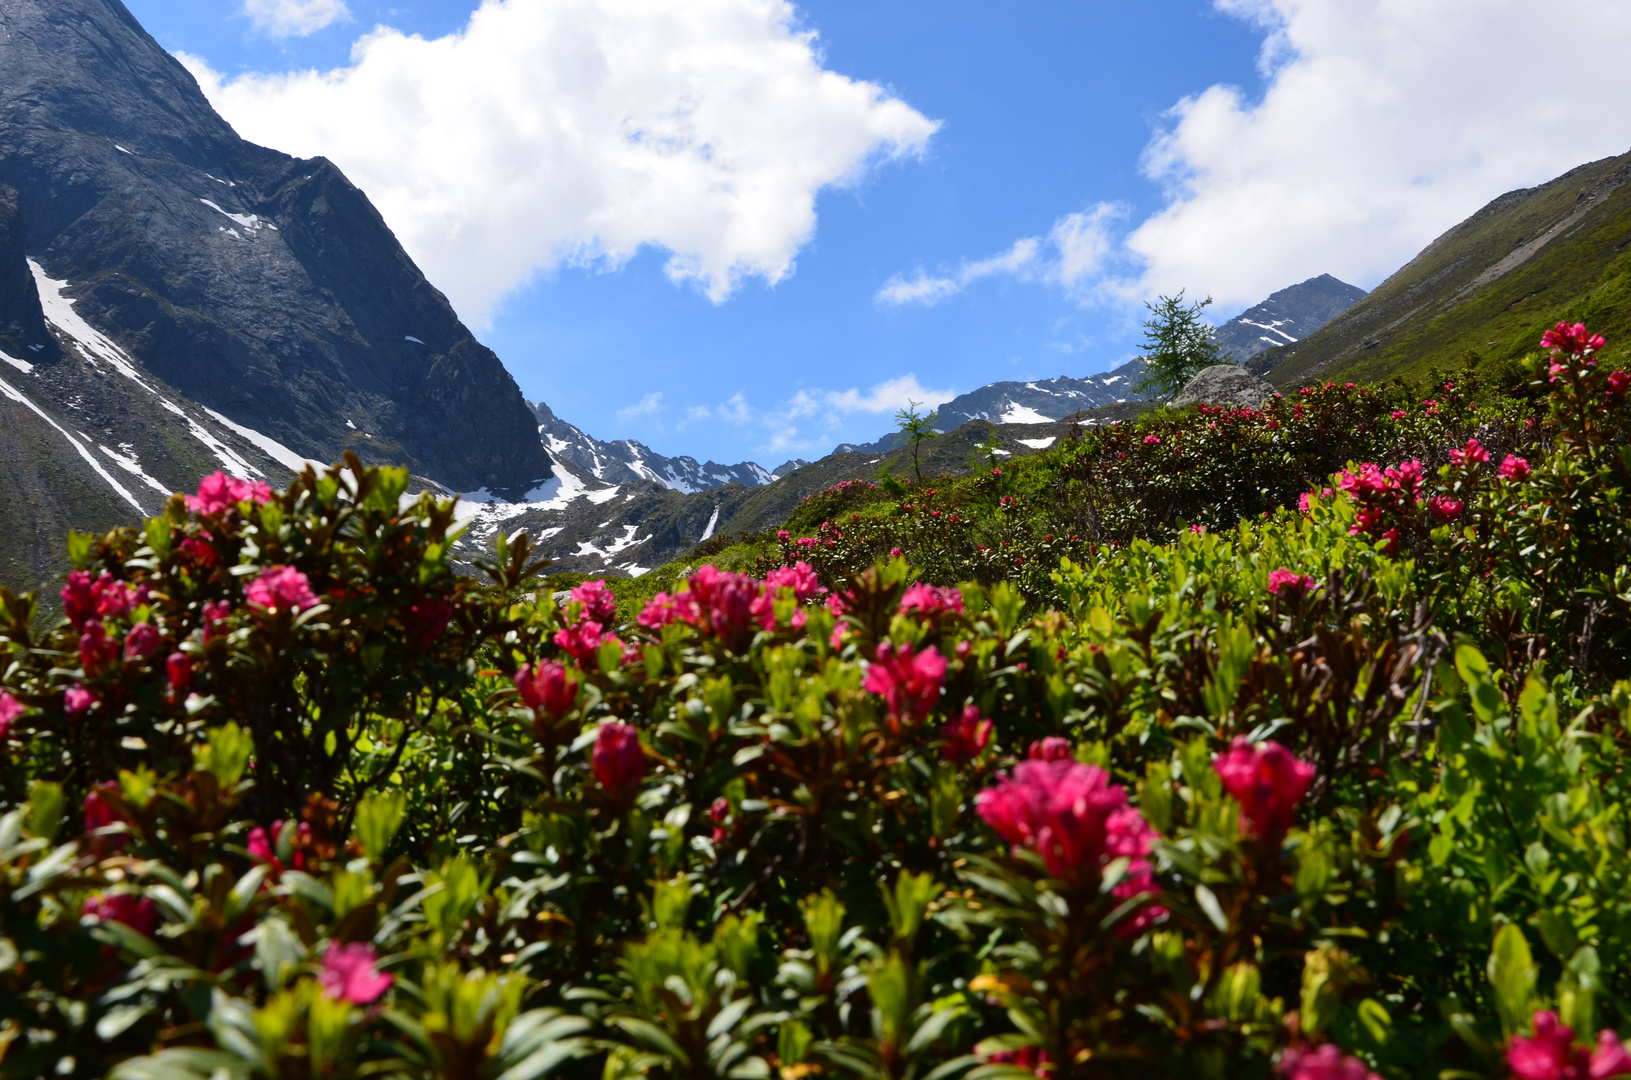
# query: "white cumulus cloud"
{"points": [[810, 418], [580, 131], [1384, 123], [294, 18], [649, 405]]}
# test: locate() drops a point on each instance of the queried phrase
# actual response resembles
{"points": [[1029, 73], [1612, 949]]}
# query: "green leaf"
{"points": [[1512, 975], [1208, 901]]}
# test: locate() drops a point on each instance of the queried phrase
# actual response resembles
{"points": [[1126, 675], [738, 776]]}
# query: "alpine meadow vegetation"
{"points": [[1224, 744]]}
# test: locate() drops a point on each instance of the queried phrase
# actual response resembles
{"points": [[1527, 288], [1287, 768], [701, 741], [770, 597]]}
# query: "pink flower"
{"points": [[931, 602], [965, 737], [1552, 1055], [279, 588], [581, 642], [547, 688], [807, 542], [663, 609], [1152, 440], [782, 536], [219, 492], [1052, 748], [1445, 509], [1399, 414], [800, 577], [1283, 581], [1618, 383], [198, 551], [908, 681], [1573, 340], [1472, 454], [77, 702], [1198, 530], [1406, 475], [98, 814], [1303, 502], [617, 758], [895, 553], [725, 601], [598, 602], [1267, 782], [214, 614], [137, 912], [1071, 815], [179, 670], [142, 641], [96, 650], [11, 710], [1325, 1063], [424, 620], [349, 974], [1514, 468], [84, 598]]}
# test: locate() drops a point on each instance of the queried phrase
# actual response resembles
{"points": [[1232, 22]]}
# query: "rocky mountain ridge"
{"points": [[1486, 289]]}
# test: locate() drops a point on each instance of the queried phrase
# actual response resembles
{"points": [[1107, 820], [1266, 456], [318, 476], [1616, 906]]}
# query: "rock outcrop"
{"points": [[1225, 384]]}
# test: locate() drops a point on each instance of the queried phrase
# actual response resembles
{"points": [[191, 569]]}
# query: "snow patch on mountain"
{"points": [[624, 460]]}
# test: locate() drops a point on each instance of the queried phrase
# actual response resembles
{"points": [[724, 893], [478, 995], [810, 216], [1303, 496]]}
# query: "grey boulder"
{"points": [[1225, 384]]}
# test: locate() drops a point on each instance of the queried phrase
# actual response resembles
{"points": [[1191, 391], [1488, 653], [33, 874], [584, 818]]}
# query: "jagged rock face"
{"points": [[23, 332], [1286, 316], [1225, 384], [263, 287]]}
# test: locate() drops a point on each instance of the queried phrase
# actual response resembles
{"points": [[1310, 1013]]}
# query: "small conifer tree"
{"points": [[917, 428], [1179, 344]]}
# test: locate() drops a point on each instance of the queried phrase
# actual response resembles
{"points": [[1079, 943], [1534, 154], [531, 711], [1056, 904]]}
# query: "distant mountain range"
{"points": [[174, 300]]}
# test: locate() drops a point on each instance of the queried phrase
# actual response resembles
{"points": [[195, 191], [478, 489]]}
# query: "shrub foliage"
{"points": [[1232, 744]]}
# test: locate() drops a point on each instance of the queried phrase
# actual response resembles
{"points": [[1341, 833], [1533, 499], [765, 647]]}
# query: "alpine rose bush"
{"points": [[1109, 763]]}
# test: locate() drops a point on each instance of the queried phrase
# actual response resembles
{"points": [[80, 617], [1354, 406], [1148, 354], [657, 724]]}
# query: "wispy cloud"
{"points": [[650, 405], [1073, 254], [811, 418], [294, 18]]}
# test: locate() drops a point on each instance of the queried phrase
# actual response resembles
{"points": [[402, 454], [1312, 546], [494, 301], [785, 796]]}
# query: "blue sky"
{"points": [[1020, 178]]}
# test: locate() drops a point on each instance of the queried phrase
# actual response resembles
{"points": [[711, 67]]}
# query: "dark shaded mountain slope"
{"points": [[1488, 287], [262, 287]]}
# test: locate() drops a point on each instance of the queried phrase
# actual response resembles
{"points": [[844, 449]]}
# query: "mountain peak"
{"points": [[263, 287], [1287, 316]]}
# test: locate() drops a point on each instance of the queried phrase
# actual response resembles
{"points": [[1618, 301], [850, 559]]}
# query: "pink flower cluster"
{"points": [[1382, 494], [218, 493], [732, 606], [1552, 1055], [85, 598], [264, 847], [280, 588], [965, 737], [1325, 1063], [547, 689], [1283, 582], [1071, 815], [1268, 783], [617, 758], [931, 602], [1470, 455], [1514, 468], [598, 603], [350, 974], [11, 710], [1569, 340], [909, 681]]}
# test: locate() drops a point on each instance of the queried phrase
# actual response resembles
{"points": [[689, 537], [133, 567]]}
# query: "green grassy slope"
{"points": [[1489, 286]]}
